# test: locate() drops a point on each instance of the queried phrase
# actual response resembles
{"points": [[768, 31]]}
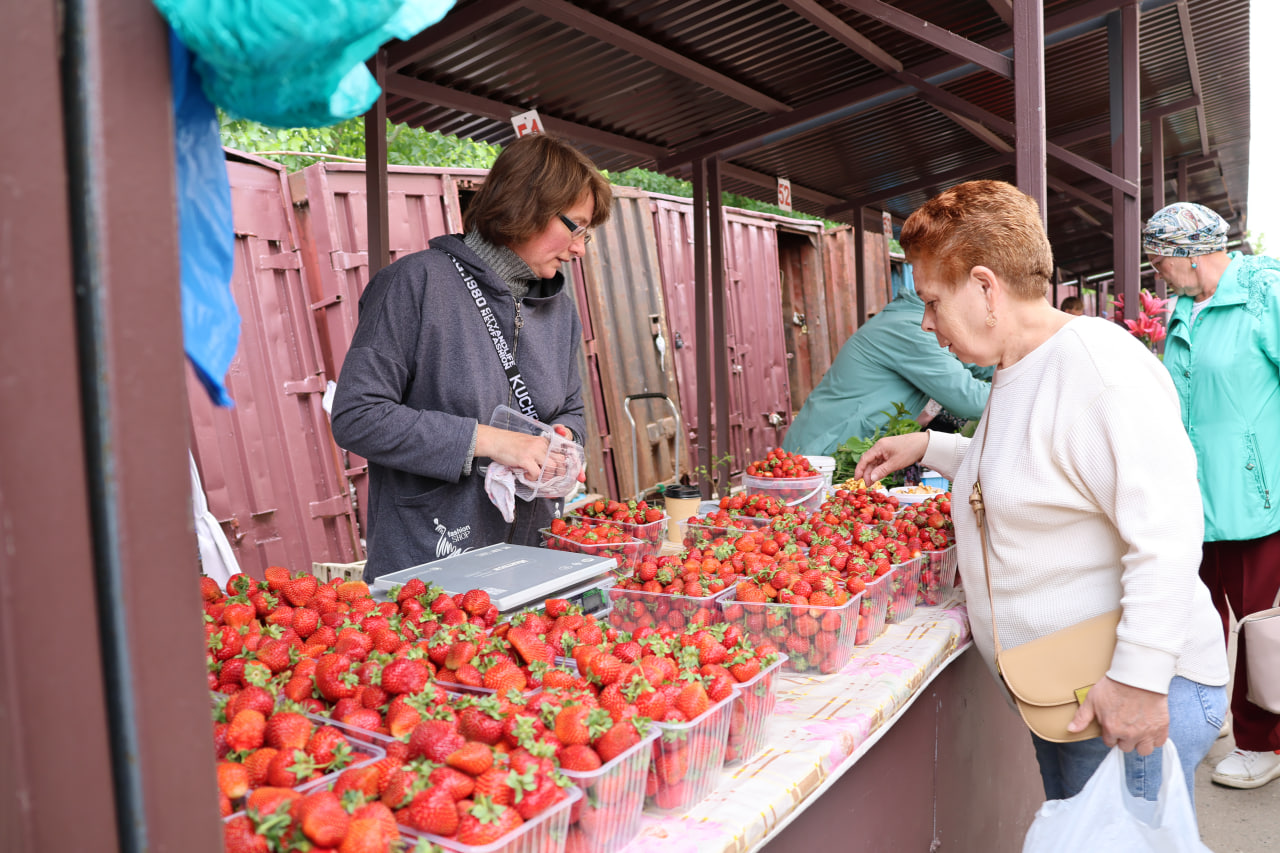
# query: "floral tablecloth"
{"points": [[815, 731]]}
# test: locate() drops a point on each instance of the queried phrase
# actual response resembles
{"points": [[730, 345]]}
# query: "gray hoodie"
{"points": [[420, 374]]}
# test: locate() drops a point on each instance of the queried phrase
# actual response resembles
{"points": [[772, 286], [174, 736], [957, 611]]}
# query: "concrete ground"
{"points": [[1233, 820]]}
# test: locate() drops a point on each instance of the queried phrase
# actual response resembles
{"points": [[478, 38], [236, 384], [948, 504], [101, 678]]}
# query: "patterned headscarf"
{"points": [[1183, 230]]}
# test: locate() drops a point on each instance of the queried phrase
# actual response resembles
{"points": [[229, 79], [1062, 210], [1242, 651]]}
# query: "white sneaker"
{"points": [[1245, 769]]}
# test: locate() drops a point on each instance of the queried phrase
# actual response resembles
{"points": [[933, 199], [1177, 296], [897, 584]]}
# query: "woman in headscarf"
{"points": [[1223, 352]]}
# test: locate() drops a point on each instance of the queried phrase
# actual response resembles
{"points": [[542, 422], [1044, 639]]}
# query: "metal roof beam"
{"points": [[983, 57], [454, 26], [1101, 129], [926, 183], [770, 182], [632, 42], [1003, 9], [1058, 28], [1193, 70], [833, 26], [442, 96]]}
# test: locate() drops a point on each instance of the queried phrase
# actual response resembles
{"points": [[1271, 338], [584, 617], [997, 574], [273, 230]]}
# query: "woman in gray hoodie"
{"points": [[447, 335]]}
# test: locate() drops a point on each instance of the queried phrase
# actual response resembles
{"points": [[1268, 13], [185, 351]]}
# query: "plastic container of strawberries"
{"points": [[688, 758], [807, 492], [366, 748], [652, 532], [937, 576], [634, 609], [902, 589], [608, 815], [875, 608], [698, 532], [546, 833], [756, 698], [628, 554], [815, 639]]}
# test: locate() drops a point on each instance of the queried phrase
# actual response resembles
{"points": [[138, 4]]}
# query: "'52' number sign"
{"points": [[784, 193]]}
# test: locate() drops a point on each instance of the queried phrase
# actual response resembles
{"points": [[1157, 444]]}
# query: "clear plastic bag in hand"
{"points": [[564, 461]]}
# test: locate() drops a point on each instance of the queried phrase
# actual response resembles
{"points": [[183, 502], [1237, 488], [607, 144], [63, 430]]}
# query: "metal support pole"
{"points": [[860, 263], [375, 170], [719, 323], [1122, 49], [1028, 88], [702, 318], [1157, 181]]}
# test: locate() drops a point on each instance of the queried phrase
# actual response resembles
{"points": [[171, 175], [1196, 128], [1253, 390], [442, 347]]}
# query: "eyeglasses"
{"points": [[576, 230]]}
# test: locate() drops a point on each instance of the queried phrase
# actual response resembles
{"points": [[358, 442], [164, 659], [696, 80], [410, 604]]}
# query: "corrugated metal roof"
{"points": [[642, 82]]}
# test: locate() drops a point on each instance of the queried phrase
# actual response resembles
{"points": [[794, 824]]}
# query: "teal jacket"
{"points": [[889, 359], [1227, 371]]}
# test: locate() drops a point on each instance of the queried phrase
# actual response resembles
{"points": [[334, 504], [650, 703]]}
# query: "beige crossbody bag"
{"points": [[1050, 676]]}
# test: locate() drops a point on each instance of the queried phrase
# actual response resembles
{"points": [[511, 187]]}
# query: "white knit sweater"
{"points": [[1089, 481]]}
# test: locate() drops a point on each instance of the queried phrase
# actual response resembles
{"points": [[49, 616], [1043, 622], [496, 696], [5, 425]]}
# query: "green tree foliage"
{"points": [[406, 146], [413, 146]]}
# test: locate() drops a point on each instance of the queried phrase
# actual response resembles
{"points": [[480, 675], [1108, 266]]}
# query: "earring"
{"points": [[1193, 264], [991, 319]]}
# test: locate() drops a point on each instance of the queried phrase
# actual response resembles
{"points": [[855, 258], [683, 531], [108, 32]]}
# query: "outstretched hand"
{"points": [[891, 453]]}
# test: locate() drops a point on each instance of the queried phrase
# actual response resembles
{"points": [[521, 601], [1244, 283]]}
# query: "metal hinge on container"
{"points": [[337, 505], [348, 260], [280, 261], [310, 385]]}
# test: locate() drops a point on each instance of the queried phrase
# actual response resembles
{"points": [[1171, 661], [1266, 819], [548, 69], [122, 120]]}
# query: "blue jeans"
{"points": [[1196, 713]]}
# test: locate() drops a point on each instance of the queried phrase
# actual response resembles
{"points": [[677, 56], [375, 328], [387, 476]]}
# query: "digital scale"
{"points": [[515, 576]]}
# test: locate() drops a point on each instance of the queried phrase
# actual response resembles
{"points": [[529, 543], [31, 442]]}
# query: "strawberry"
{"points": [[289, 769], [233, 779], [503, 677], [556, 607], [246, 731], [459, 653], [288, 731], [257, 763], [530, 647], [328, 747], [693, 701], [482, 722], [493, 785], [323, 819], [578, 757], [404, 675], [486, 822], [238, 836], [617, 740], [471, 758], [475, 602], [432, 811], [434, 740], [535, 794], [299, 590], [368, 834]]}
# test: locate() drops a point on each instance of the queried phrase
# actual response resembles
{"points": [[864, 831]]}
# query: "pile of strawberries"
{"points": [[581, 534], [780, 463], [636, 518], [479, 719]]}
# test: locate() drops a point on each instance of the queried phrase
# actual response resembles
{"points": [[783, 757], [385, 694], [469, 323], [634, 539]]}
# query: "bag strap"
{"points": [[506, 355], [980, 515]]}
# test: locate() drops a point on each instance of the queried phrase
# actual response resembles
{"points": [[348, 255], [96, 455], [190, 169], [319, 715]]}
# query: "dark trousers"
{"points": [[1245, 574]]}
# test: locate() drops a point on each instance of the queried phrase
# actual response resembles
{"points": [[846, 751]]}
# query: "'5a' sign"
{"points": [[527, 123]]}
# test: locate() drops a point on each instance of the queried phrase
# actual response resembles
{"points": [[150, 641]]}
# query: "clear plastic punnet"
{"points": [[937, 576], [560, 467]]}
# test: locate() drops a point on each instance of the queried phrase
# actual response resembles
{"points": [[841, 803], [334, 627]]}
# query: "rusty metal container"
{"points": [[268, 465]]}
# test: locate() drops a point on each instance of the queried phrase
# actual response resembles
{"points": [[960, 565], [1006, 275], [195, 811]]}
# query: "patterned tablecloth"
{"points": [[814, 733]]}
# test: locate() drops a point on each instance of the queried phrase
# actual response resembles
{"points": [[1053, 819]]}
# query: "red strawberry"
{"points": [[238, 836], [405, 675], [300, 590], [434, 740], [246, 731], [486, 822], [693, 701], [323, 819], [617, 740], [481, 722], [530, 647], [288, 731], [433, 811], [233, 779], [579, 757], [476, 601], [471, 758]]}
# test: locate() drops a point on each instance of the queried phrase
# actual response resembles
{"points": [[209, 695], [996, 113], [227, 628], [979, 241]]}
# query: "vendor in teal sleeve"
{"points": [[890, 359]]}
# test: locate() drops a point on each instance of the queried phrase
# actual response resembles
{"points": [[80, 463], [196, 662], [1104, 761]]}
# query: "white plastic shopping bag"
{"points": [[1106, 818]]}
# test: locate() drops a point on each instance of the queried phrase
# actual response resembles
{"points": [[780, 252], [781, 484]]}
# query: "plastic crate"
{"points": [[807, 492], [608, 816], [653, 531], [751, 711], [688, 758], [634, 609], [902, 589], [817, 639], [875, 608], [937, 576], [628, 554], [546, 833], [366, 748]]}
